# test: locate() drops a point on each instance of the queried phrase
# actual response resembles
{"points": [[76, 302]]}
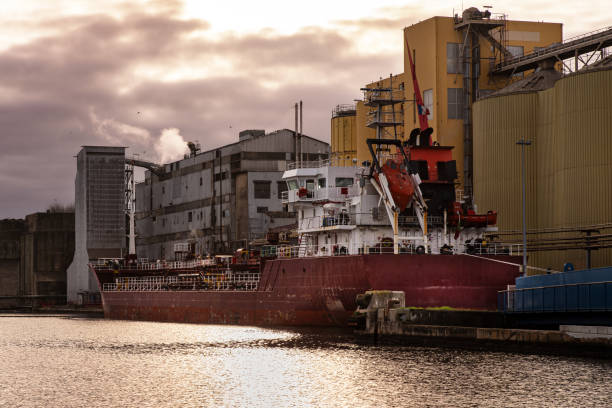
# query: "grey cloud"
{"points": [[57, 81]]}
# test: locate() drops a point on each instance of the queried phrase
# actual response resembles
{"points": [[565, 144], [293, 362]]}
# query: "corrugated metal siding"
{"points": [[343, 135], [571, 159], [498, 124]]}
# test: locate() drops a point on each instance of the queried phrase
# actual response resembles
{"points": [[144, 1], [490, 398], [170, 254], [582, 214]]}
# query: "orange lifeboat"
{"points": [[400, 185]]}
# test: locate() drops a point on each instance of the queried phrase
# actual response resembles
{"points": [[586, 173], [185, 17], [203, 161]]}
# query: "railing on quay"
{"points": [[577, 297]]}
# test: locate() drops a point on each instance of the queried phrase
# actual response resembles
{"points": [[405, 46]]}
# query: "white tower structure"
{"points": [[99, 197]]}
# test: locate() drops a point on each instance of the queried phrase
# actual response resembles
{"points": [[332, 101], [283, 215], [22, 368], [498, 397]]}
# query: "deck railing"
{"points": [[215, 282], [111, 264]]}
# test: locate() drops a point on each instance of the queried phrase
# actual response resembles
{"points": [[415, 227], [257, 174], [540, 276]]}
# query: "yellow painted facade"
{"points": [[428, 40]]}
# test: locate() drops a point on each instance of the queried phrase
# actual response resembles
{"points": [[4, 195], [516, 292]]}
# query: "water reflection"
{"points": [[68, 362]]}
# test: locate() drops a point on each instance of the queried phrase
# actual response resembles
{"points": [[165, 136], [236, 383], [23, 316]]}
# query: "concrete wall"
{"points": [[10, 253], [34, 256], [47, 248], [258, 221]]}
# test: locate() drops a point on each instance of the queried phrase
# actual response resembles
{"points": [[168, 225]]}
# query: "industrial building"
{"points": [[34, 255], [488, 82], [221, 199], [568, 168], [100, 223], [454, 59]]}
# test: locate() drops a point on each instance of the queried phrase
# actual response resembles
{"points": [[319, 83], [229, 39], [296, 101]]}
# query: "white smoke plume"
{"points": [[170, 146]]}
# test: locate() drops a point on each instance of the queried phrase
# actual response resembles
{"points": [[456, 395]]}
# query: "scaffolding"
{"points": [[386, 109]]}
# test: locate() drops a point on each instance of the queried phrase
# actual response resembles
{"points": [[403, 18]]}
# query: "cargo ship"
{"points": [[395, 222]]}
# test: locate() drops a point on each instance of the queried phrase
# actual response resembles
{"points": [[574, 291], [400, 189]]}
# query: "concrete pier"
{"points": [[385, 320]]}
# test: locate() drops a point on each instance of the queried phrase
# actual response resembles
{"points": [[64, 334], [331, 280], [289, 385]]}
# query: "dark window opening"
{"points": [[344, 181], [262, 210], [261, 189], [420, 167]]}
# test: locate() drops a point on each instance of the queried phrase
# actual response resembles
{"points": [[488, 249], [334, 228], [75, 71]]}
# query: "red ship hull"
{"points": [[321, 291]]}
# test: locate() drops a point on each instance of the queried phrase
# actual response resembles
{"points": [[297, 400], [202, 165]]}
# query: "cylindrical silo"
{"points": [[343, 134], [569, 166]]}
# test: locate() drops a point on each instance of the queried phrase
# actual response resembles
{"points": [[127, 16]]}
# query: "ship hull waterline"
{"points": [[321, 291]]}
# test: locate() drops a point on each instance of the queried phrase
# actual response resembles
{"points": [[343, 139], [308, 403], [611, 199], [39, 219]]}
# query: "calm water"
{"points": [[77, 362]]}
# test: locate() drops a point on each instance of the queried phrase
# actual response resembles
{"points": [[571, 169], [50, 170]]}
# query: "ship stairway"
{"points": [[303, 244]]}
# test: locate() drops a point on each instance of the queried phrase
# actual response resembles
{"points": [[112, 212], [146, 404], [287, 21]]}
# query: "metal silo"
{"points": [[569, 164]]}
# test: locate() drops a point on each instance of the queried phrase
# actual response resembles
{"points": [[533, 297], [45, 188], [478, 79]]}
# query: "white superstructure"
{"points": [[341, 212]]}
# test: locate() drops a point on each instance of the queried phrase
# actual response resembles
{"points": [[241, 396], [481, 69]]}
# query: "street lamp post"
{"points": [[524, 143]]}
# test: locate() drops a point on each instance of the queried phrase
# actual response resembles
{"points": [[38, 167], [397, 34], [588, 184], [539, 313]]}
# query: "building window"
{"points": [[189, 216], [262, 189], [262, 210], [453, 60], [281, 187], [428, 101], [163, 190], [200, 180], [310, 185], [455, 103], [517, 51], [322, 183], [344, 181], [292, 184]]}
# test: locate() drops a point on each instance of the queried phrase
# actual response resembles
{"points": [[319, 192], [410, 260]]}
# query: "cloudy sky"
{"points": [[150, 73]]}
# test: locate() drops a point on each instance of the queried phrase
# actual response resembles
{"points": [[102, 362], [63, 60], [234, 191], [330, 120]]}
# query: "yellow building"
{"points": [[444, 48]]}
